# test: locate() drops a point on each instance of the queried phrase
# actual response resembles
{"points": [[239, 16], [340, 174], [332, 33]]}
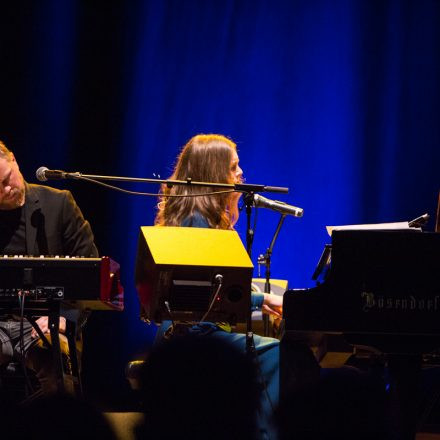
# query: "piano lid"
{"points": [[378, 282]]}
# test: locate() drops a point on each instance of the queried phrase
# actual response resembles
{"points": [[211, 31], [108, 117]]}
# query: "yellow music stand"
{"points": [[177, 268]]}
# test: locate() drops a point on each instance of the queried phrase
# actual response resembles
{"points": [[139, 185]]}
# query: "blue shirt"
{"points": [[198, 221]]}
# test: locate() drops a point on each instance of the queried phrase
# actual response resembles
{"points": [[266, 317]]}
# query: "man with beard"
{"points": [[36, 220]]}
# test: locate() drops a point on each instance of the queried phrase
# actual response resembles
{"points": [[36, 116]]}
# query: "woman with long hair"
{"points": [[208, 158], [213, 158], [205, 158]]}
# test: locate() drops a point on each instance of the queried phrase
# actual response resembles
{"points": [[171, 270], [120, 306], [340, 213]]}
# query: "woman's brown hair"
{"points": [[205, 158]]}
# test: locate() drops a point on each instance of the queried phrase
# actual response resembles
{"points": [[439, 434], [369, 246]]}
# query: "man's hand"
{"points": [[43, 323], [273, 305]]}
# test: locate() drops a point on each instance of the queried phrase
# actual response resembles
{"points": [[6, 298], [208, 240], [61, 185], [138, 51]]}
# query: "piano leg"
{"points": [[73, 353], [54, 327], [404, 381], [299, 368]]}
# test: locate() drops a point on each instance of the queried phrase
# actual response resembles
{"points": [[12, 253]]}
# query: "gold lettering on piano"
{"points": [[376, 302]]}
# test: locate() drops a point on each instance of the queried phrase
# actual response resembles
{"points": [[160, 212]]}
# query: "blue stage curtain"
{"points": [[339, 100]]}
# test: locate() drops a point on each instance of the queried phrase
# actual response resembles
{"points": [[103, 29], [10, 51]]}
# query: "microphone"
{"points": [[43, 174], [276, 205], [419, 221]]}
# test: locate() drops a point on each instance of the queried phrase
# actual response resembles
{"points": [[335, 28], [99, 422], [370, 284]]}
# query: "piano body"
{"points": [[382, 290], [380, 298]]}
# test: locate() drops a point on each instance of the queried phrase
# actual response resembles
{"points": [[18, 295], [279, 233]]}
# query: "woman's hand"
{"points": [[273, 305], [43, 323]]}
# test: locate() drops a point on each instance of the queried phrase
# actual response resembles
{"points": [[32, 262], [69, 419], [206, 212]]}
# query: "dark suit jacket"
{"points": [[55, 224]]}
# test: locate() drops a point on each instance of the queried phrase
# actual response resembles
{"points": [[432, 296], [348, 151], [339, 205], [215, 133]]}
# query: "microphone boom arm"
{"points": [[240, 187]]}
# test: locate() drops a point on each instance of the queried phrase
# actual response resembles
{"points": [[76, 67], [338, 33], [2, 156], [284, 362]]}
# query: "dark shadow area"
{"points": [[344, 404], [53, 417], [199, 387]]}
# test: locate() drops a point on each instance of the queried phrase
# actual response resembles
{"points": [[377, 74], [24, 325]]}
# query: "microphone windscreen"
{"points": [[41, 174]]}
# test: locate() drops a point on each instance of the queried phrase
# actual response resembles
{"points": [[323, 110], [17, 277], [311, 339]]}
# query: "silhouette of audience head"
{"points": [[199, 387]]}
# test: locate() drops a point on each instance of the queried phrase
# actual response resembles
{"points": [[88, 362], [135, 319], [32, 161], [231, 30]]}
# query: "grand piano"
{"points": [[380, 295], [382, 290]]}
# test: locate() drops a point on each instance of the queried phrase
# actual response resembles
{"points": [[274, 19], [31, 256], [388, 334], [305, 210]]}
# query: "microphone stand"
{"points": [[266, 260], [241, 187], [249, 201]]}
